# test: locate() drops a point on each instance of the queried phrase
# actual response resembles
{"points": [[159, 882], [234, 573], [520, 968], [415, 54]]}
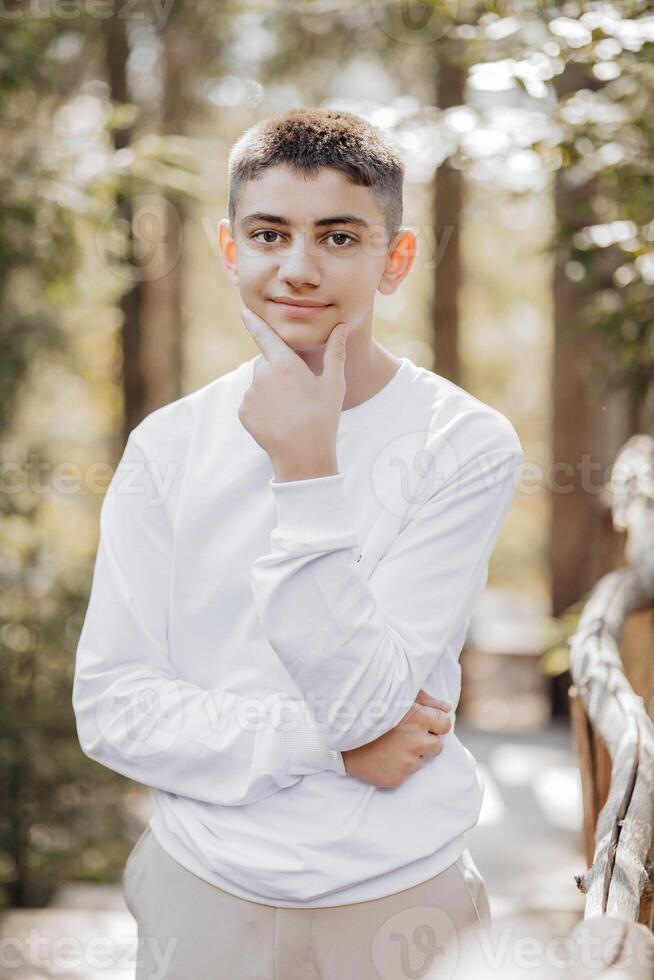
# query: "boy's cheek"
{"points": [[253, 300]]}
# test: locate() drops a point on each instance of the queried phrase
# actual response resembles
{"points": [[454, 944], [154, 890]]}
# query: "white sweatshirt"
{"points": [[241, 633]]}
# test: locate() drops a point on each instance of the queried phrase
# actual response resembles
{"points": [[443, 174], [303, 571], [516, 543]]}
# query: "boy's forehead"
{"points": [[282, 191]]}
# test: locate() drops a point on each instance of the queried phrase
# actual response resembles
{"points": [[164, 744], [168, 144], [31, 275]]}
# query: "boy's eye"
{"points": [[333, 234], [341, 234], [268, 242]]}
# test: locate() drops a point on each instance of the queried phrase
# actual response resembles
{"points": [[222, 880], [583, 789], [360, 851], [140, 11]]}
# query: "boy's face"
{"points": [[338, 263]]}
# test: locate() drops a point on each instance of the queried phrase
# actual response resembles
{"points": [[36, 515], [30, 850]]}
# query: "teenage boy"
{"points": [[288, 562]]}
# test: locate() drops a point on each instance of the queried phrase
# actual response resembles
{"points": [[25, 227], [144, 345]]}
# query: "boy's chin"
{"points": [[305, 345], [301, 337]]}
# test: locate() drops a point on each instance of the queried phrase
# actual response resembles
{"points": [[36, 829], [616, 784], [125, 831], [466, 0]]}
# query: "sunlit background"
{"points": [[527, 135]]}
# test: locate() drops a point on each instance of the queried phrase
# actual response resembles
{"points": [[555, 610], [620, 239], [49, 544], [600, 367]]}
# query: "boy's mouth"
{"points": [[299, 308]]}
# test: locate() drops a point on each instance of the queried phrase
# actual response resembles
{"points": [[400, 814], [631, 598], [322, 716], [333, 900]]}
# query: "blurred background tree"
{"points": [[527, 138], [61, 182]]}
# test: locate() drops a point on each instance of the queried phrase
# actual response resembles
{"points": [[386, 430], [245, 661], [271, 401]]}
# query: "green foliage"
{"points": [[61, 815], [36, 234], [60, 178], [608, 245], [555, 659]]}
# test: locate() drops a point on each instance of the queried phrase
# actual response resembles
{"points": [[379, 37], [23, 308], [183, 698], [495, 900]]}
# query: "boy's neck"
{"points": [[368, 368]]}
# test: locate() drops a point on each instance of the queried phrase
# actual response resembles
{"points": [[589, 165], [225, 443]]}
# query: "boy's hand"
{"points": [[292, 413], [389, 759]]}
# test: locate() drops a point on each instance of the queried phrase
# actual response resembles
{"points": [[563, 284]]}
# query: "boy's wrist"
{"points": [[289, 470]]}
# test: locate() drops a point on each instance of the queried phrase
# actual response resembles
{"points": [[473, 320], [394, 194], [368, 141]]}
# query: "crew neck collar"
{"points": [[353, 416]]}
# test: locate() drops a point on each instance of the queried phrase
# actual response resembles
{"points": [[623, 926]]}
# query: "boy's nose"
{"points": [[299, 266]]}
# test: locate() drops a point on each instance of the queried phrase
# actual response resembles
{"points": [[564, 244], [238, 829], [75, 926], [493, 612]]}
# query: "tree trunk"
{"points": [[131, 303], [587, 432], [583, 545], [447, 219], [162, 313], [173, 122]]}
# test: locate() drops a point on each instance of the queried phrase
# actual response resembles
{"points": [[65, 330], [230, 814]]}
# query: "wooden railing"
{"points": [[614, 733]]}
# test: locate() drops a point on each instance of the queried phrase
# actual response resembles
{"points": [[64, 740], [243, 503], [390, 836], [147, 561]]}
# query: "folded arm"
{"points": [[360, 651], [134, 714]]}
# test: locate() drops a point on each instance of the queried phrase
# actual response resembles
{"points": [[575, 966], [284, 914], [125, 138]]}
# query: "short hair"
{"points": [[308, 139]]}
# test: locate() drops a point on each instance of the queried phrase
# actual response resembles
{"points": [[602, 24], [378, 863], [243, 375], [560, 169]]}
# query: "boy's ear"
{"points": [[401, 254], [228, 250]]}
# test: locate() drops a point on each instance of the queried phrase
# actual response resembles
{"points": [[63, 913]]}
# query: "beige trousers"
{"points": [[188, 929]]}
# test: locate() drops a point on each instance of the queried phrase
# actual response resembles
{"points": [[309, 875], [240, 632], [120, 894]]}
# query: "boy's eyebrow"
{"points": [[277, 219]]}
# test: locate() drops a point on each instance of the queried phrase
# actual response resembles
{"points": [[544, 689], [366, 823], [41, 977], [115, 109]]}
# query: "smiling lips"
{"points": [[299, 308]]}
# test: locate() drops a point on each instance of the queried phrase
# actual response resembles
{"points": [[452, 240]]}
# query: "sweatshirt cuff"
{"points": [[306, 753], [313, 511]]}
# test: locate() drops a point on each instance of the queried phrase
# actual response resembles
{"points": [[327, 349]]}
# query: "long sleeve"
{"points": [[361, 650], [134, 714]]}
